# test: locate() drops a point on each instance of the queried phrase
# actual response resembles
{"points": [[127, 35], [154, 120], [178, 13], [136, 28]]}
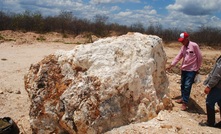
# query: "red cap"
{"points": [[183, 36]]}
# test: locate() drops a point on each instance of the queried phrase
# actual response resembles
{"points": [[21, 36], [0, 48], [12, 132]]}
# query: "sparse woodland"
{"points": [[67, 23]]}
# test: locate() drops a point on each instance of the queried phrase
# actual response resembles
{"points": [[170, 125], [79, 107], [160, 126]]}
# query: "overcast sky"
{"points": [[180, 14]]}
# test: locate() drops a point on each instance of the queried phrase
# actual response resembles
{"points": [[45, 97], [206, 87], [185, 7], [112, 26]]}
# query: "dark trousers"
{"points": [[214, 97]]}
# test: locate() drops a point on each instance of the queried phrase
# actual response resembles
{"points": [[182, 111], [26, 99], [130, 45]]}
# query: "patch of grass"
{"points": [[10, 40], [1, 37], [78, 43], [68, 43], [41, 38], [4, 39], [64, 35]]}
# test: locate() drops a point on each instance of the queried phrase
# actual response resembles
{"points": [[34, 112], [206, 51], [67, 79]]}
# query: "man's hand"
{"points": [[169, 68], [207, 90]]}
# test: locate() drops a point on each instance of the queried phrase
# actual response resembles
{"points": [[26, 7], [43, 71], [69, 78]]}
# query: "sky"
{"points": [[180, 14]]}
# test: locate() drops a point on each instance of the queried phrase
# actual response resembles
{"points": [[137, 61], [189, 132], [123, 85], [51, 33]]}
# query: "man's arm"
{"points": [[215, 76]]}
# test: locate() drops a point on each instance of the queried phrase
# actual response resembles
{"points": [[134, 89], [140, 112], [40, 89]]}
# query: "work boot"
{"points": [[210, 117], [218, 125]]}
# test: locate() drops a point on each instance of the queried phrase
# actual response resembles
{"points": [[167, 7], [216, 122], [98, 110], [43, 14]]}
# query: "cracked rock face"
{"points": [[99, 86]]}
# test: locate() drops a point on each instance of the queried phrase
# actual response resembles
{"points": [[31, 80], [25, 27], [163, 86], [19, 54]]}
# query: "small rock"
{"points": [[9, 91], [17, 92], [3, 59], [178, 128], [166, 126]]}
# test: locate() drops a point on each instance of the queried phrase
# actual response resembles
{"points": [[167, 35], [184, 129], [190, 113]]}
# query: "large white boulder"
{"points": [[99, 86]]}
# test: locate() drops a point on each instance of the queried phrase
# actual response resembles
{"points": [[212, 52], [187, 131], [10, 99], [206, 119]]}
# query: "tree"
{"points": [[137, 27], [99, 27]]}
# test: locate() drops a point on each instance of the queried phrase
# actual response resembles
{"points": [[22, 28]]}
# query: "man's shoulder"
{"points": [[193, 43]]}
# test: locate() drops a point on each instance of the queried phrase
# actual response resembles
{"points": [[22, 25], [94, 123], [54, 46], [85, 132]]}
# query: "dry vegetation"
{"points": [[18, 50], [66, 23]]}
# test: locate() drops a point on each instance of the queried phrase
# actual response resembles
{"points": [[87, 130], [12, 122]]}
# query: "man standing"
{"points": [[213, 91], [191, 62]]}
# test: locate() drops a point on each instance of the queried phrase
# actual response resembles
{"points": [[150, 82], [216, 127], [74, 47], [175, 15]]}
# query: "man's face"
{"points": [[185, 42]]}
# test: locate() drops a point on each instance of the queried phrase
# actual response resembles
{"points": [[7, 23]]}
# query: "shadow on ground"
{"points": [[193, 107]]}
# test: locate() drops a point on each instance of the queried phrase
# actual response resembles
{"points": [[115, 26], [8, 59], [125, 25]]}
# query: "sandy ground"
{"points": [[15, 62], [16, 56]]}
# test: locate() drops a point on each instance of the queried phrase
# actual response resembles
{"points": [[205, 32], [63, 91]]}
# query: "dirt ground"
{"points": [[19, 50]]}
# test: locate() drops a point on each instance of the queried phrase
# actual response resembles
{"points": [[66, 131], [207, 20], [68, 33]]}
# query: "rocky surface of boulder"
{"points": [[99, 86]]}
